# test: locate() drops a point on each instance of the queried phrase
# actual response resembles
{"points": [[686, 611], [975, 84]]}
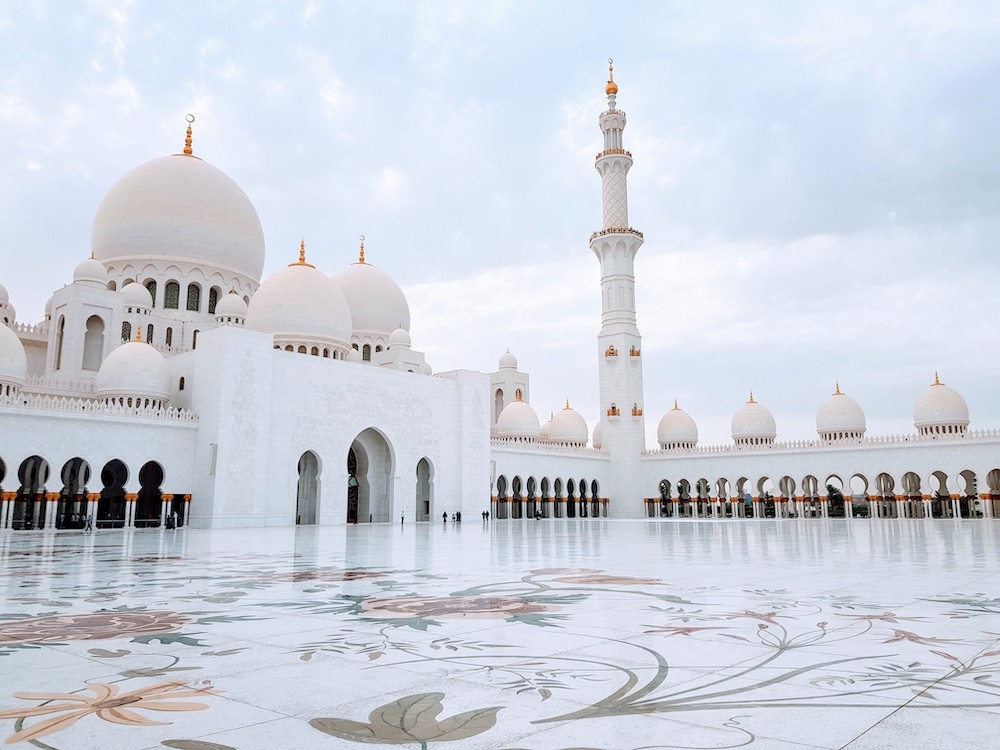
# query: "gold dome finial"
{"points": [[187, 138], [361, 253], [751, 401], [837, 392], [937, 381], [676, 407], [612, 88], [567, 405], [138, 333], [302, 257]]}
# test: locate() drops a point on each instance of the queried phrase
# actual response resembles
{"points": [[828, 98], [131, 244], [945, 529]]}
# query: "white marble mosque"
{"points": [[615, 598], [167, 374]]}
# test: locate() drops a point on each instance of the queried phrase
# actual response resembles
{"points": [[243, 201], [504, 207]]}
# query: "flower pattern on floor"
{"points": [[311, 637]]}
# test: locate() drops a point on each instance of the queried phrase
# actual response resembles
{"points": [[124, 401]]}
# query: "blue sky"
{"points": [[818, 183]]}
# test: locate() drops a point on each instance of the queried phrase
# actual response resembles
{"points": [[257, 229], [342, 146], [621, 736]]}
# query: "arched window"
{"points": [[497, 404], [180, 385], [149, 334], [151, 286], [378, 348], [314, 351], [60, 333], [126, 331], [354, 347], [112, 286], [289, 348], [172, 295], [194, 340], [194, 298], [93, 343], [170, 337], [366, 353], [302, 349], [213, 299]]}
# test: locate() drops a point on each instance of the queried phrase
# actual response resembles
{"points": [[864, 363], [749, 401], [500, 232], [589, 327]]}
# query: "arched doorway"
{"points": [[149, 503], [111, 506], [307, 490], [71, 512], [370, 468], [93, 343], [424, 495], [29, 505]]}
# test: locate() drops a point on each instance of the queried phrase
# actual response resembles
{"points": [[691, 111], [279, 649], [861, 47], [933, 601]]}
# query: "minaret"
{"points": [[623, 428]]}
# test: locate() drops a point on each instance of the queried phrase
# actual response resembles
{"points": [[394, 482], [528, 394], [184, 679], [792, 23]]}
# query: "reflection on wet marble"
{"points": [[523, 635]]}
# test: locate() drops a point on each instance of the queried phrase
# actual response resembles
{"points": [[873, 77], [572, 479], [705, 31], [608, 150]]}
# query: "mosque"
{"points": [[169, 384]]}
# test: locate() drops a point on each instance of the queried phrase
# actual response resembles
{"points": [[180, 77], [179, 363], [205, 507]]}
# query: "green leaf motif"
{"points": [[410, 719]]}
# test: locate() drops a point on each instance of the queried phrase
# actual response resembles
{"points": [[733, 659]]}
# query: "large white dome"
{"points": [[300, 305], [134, 370], [677, 429], [378, 305], [940, 410], [840, 417], [567, 426], [179, 209], [13, 362], [517, 420], [753, 424]]}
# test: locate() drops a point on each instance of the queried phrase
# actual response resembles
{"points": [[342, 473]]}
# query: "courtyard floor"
{"points": [[515, 635]]}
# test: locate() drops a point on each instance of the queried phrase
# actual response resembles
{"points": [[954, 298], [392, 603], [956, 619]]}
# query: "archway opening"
{"points": [[424, 493], [307, 490], [29, 505], [71, 513], [93, 343], [369, 478], [111, 506], [149, 503]]}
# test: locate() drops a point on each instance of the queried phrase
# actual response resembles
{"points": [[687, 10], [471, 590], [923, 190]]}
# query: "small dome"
{"points": [[840, 417], [4, 296], [940, 410], [508, 361], [378, 306], [596, 440], [134, 369], [677, 429], [567, 426], [91, 272], [399, 339], [517, 420], [753, 424], [543, 431], [136, 295], [180, 209], [299, 304], [13, 362], [231, 306], [9, 314], [353, 355]]}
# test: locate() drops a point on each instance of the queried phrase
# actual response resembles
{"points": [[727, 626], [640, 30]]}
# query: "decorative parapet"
{"points": [[548, 447], [614, 411], [611, 352], [636, 411], [616, 230], [75, 405], [633, 352], [976, 436], [51, 383], [30, 329]]}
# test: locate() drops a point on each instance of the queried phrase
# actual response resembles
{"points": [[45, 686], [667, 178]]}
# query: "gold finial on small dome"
{"points": [[676, 407], [937, 381], [302, 257], [361, 253], [751, 401], [612, 88], [567, 405], [138, 333], [837, 392], [187, 138]]}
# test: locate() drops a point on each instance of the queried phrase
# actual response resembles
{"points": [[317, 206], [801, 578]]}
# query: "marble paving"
{"points": [[574, 634]]}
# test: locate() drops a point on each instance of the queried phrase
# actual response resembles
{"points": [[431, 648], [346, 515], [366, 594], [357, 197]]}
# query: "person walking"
{"points": [[90, 522], [444, 516]]}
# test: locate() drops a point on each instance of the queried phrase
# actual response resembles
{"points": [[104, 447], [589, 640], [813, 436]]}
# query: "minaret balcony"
{"points": [[633, 352], [613, 152], [614, 411], [610, 352], [615, 230]]}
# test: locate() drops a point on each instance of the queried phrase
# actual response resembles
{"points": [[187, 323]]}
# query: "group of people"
{"points": [[455, 517]]}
